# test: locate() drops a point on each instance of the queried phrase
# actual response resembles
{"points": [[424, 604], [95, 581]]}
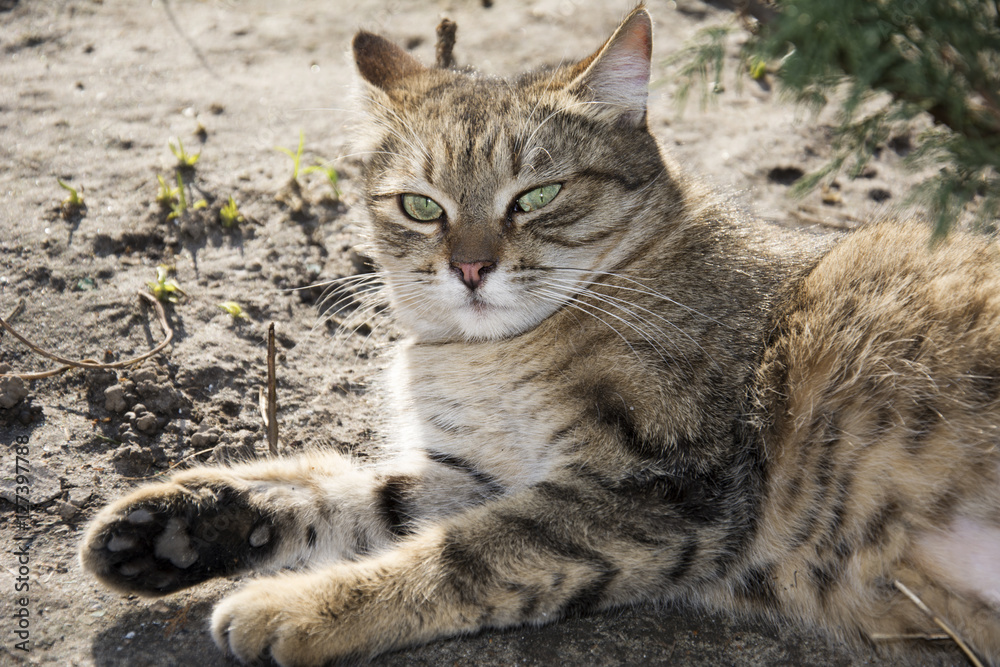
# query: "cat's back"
{"points": [[890, 329], [879, 393], [891, 296]]}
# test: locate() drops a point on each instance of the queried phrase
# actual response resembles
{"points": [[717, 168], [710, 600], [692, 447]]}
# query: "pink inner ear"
{"points": [[633, 52], [965, 556], [620, 74]]}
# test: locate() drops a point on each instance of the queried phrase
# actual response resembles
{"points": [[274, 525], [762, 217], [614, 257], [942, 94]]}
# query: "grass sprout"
{"points": [[165, 288], [328, 171], [296, 156], [184, 159], [74, 201], [233, 308], [230, 215], [175, 199], [166, 194]]}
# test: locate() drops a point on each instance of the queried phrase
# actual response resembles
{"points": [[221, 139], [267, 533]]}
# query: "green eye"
{"points": [[423, 209], [539, 197]]}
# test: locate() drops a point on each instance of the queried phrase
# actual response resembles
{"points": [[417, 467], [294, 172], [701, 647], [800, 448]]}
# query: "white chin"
{"points": [[455, 314], [482, 321]]}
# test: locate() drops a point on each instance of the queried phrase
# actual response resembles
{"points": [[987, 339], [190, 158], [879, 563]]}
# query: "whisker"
{"points": [[643, 334], [336, 281], [575, 306], [646, 290], [617, 301], [560, 110]]}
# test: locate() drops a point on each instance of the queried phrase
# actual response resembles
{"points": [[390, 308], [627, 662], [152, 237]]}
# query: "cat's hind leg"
{"points": [[963, 557]]}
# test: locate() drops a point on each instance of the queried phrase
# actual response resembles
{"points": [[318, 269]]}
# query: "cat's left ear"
{"points": [[617, 74], [382, 63]]}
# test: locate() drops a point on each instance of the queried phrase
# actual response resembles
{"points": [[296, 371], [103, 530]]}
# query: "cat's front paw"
{"points": [[268, 619], [169, 536], [300, 620]]}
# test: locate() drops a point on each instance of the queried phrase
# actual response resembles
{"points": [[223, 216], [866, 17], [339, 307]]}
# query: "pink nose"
{"points": [[472, 273]]}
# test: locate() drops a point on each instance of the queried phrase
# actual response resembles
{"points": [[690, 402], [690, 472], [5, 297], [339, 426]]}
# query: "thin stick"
{"points": [[271, 409], [444, 58], [881, 637], [90, 363], [18, 309], [939, 622], [172, 465]]}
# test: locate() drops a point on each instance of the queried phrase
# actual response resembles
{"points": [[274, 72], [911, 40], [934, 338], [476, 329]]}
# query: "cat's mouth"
{"points": [[478, 304]]}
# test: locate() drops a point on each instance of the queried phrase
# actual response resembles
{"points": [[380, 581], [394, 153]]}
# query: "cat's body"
{"points": [[612, 390]]}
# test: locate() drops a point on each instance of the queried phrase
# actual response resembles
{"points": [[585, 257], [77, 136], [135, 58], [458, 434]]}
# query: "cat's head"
{"points": [[493, 200]]}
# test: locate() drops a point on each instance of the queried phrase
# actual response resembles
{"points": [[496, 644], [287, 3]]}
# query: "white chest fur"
{"points": [[483, 403]]}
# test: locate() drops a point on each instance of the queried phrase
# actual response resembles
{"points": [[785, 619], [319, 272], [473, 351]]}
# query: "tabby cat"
{"points": [[613, 388]]}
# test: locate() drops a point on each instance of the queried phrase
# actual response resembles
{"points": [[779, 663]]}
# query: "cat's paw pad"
{"points": [[171, 536]]}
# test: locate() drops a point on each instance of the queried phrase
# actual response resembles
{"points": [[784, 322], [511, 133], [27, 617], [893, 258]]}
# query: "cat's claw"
{"points": [[254, 626], [301, 620]]}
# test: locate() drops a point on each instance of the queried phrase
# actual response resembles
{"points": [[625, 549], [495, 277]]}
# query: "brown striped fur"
{"points": [[642, 394]]}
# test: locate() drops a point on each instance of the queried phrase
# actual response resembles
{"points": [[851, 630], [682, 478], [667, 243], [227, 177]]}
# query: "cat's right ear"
{"points": [[617, 74], [382, 63]]}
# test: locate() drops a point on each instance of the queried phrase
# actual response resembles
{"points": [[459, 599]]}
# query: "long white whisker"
{"points": [[645, 290], [560, 300], [618, 301], [643, 334], [531, 115], [425, 153], [558, 111]]}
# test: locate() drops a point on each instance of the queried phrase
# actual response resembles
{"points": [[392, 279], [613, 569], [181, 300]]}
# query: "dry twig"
{"points": [[270, 407], [89, 363], [883, 637], [941, 623], [170, 467], [18, 309], [443, 52], [268, 398]]}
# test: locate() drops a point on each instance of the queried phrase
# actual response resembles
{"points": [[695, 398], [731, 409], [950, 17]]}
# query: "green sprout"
{"points": [[329, 172], [233, 309], [166, 194], [107, 439], [175, 199], [296, 156], [72, 207], [184, 159], [230, 214], [74, 201], [165, 288]]}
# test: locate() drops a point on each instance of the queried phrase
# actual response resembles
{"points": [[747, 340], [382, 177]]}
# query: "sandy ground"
{"points": [[90, 93]]}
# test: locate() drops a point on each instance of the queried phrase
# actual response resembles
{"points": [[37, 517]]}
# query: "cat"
{"points": [[613, 388]]}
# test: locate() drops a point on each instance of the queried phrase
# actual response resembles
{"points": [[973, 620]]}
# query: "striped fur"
{"points": [[643, 395]]}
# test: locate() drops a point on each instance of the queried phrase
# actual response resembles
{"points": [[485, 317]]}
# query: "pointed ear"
{"points": [[382, 63], [617, 74]]}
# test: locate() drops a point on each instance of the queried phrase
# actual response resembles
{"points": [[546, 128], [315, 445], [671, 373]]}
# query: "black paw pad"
{"points": [[160, 545]]}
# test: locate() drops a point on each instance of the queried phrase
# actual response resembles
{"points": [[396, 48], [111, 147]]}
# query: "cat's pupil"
{"points": [[537, 198]]}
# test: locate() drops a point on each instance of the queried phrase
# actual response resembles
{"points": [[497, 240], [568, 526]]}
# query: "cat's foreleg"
{"points": [[532, 556], [216, 521]]}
